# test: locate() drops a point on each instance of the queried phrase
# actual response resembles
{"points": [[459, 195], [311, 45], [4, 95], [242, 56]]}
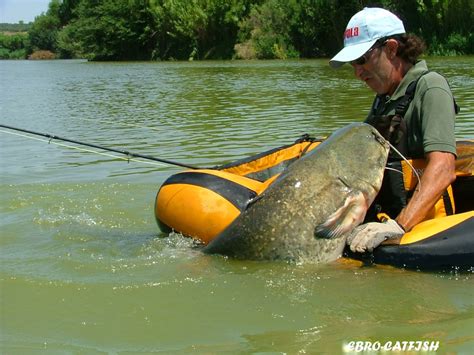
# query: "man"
{"points": [[419, 121]]}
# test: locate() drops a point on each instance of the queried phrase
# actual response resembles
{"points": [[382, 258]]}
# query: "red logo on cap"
{"points": [[351, 32]]}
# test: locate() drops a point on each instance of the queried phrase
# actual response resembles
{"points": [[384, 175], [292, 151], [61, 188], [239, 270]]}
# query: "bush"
{"points": [[245, 51], [13, 45], [42, 55], [456, 43], [267, 31], [18, 54], [4, 53], [470, 44]]}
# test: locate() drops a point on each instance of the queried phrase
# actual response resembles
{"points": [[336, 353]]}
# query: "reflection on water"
{"points": [[83, 267]]}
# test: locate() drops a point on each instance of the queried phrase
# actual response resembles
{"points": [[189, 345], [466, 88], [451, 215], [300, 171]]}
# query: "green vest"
{"points": [[430, 116]]}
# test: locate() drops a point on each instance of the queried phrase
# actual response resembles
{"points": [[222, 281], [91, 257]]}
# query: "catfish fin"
{"points": [[346, 218]]}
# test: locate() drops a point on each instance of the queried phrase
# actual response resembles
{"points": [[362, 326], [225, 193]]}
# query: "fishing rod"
{"points": [[119, 151]]}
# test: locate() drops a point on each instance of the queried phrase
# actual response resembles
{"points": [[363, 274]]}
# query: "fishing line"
{"points": [[409, 164], [129, 155], [84, 149], [393, 169]]}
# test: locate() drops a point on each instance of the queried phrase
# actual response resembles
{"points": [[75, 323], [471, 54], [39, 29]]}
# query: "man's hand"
{"points": [[368, 236]]}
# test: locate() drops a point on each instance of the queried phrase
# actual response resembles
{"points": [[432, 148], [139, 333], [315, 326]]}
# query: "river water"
{"points": [[84, 268]]}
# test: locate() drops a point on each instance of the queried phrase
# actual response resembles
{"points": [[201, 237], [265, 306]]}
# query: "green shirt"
{"points": [[430, 116]]}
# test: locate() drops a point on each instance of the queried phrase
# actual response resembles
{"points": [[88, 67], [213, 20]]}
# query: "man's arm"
{"points": [[437, 176]]}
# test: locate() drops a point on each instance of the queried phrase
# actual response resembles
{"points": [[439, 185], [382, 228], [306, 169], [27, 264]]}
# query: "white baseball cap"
{"points": [[363, 30]]}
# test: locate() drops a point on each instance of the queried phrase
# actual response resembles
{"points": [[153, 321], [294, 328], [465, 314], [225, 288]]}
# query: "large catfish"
{"points": [[307, 213]]}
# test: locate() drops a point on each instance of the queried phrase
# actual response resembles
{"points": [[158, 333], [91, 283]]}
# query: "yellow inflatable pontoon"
{"points": [[201, 203]]}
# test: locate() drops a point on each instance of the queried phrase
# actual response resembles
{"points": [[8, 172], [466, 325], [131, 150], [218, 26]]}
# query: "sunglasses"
{"points": [[364, 58]]}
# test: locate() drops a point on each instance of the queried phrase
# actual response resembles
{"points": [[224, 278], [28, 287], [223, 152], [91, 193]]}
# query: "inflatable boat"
{"points": [[201, 203]]}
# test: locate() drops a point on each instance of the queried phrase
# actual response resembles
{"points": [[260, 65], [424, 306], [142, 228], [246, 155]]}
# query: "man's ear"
{"points": [[392, 46]]}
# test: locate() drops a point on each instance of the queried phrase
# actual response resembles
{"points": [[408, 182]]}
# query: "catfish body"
{"points": [[307, 213]]}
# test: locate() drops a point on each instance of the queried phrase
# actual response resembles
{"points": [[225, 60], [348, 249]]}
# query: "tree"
{"points": [[199, 29], [44, 30], [110, 30], [220, 29], [266, 31]]}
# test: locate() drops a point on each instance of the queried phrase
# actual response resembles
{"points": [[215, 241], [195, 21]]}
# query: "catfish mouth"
{"points": [[380, 139]]}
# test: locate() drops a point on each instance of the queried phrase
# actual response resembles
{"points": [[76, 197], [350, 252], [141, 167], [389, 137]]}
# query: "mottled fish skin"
{"points": [[307, 213]]}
